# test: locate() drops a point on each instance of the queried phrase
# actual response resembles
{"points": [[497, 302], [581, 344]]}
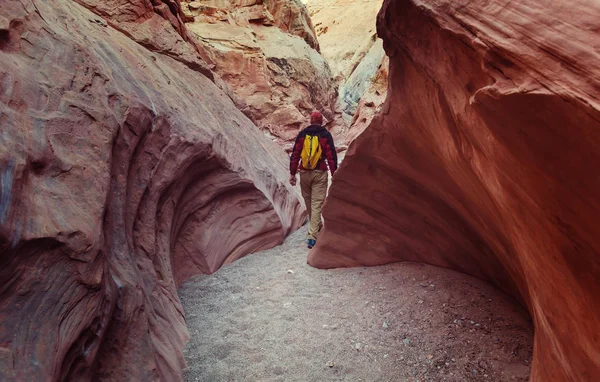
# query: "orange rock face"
{"points": [[267, 53], [124, 169], [484, 160]]}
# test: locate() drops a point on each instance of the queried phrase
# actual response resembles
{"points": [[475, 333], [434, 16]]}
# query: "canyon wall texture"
{"points": [[348, 39], [267, 52], [485, 160], [124, 169], [346, 31], [373, 92]]}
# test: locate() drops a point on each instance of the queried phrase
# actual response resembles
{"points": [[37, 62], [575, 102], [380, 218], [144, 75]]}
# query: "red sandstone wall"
{"points": [[485, 160]]}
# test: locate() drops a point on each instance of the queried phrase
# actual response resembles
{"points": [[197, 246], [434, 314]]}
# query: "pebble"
{"points": [[331, 364], [291, 272], [385, 325]]}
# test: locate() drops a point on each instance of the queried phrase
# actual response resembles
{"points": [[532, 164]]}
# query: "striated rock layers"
{"points": [[123, 171], [267, 52], [485, 160]]}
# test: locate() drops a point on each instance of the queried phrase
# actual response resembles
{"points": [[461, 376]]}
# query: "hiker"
{"points": [[313, 151]]}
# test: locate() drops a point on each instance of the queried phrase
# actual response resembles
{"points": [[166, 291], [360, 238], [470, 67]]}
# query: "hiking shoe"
{"points": [[311, 243]]}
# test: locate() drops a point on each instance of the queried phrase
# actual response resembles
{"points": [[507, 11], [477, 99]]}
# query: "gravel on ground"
{"points": [[271, 317]]}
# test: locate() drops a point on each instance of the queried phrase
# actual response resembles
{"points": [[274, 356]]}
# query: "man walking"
{"points": [[313, 151]]}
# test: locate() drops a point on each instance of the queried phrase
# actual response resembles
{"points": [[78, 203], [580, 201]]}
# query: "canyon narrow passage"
{"points": [[271, 317]]}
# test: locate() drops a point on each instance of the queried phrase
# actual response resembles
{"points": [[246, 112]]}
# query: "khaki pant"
{"points": [[314, 189]]}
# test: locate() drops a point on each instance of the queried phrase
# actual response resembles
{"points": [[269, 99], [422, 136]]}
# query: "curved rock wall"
{"points": [[484, 160], [122, 172]]}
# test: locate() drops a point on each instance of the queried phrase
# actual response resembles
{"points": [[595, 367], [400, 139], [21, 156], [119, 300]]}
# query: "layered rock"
{"points": [[349, 42], [268, 54], [123, 171], [484, 161], [141, 21], [289, 15]]}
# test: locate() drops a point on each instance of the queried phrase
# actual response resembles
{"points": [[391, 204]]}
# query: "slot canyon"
{"points": [[149, 230]]}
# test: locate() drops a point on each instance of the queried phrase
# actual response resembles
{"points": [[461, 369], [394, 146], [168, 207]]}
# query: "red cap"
{"points": [[316, 118]]}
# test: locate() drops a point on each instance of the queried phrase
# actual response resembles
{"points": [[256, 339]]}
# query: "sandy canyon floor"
{"points": [[271, 317]]}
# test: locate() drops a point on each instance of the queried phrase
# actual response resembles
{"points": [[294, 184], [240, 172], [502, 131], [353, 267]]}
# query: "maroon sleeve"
{"points": [[330, 153], [296, 152]]}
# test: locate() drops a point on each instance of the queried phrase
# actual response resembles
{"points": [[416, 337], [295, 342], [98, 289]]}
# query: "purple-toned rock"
{"points": [[124, 170]]}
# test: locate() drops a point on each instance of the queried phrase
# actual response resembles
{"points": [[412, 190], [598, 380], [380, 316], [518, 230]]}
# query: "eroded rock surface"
{"points": [[289, 15], [346, 31], [267, 52], [158, 26], [485, 160], [123, 171], [370, 94], [349, 42]]}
